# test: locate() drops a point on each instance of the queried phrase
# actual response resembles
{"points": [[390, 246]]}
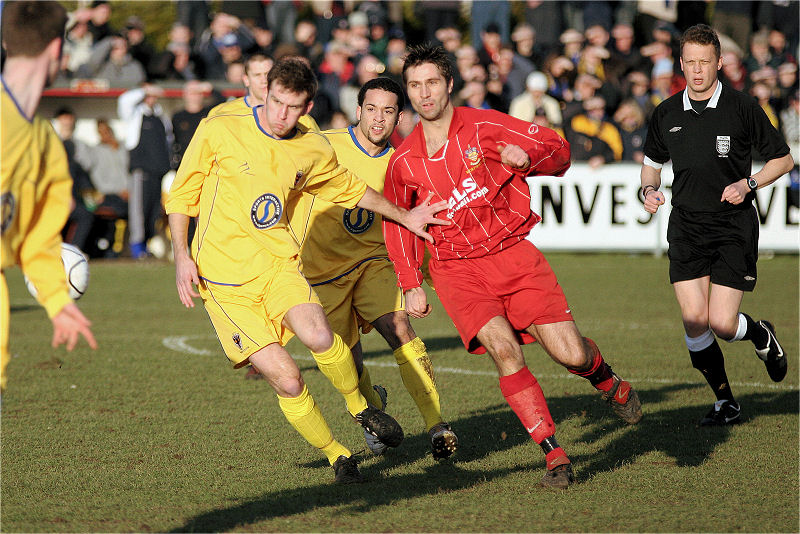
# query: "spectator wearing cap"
{"points": [[222, 43], [592, 138], [111, 61], [571, 44], [359, 24], [630, 121], [483, 14], [535, 98], [663, 81]]}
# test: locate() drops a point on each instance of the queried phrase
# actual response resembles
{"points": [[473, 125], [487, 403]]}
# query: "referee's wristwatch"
{"points": [[752, 183]]}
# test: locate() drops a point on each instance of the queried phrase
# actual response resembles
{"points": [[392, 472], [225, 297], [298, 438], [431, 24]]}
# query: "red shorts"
{"points": [[516, 283]]}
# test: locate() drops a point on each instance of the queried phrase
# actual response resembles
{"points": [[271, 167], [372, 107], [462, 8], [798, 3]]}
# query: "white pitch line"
{"points": [[180, 344]]}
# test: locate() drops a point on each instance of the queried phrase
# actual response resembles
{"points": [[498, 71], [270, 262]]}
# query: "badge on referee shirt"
{"points": [[723, 145]]}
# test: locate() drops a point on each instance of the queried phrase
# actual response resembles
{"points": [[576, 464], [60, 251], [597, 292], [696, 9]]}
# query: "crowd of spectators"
{"points": [[594, 71]]}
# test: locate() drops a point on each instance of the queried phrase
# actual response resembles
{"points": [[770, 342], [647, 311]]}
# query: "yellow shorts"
{"points": [[248, 317], [359, 297]]}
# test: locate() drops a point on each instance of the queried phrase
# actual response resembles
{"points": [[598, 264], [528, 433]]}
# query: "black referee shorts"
{"points": [[723, 246]]}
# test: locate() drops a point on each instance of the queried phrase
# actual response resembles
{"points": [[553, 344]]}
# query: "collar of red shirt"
{"points": [[417, 137]]}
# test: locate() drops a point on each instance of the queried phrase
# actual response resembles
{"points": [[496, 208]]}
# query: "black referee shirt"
{"points": [[711, 149]]}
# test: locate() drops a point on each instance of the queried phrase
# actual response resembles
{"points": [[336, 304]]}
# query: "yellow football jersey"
{"points": [[36, 194], [238, 181], [335, 239]]}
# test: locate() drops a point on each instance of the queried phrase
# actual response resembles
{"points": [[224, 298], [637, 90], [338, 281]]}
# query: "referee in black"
{"points": [[708, 131]]}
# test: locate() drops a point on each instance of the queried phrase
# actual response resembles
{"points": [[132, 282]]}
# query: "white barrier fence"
{"points": [[601, 210]]}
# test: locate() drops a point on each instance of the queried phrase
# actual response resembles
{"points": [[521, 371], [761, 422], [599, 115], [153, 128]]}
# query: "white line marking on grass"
{"points": [[180, 344]]}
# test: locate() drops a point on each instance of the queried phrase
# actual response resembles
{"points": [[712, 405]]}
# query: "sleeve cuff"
{"points": [[650, 163], [56, 303]]}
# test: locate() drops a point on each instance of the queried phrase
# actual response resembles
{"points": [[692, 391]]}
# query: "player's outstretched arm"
{"points": [[68, 324], [417, 303], [185, 268], [415, 219]]}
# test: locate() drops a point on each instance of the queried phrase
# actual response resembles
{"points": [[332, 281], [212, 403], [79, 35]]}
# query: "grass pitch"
{"points": [[155, 432]]}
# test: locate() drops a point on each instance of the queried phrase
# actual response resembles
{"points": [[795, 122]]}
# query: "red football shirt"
{"points": [[488, 202]]}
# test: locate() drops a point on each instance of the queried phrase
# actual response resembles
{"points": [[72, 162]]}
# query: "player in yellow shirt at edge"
{"points": [[237, 176], [346, 262], [35, 178]]}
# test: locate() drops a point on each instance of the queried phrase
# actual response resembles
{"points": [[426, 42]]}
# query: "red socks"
{"points": [[524, 395], [600, 374]]}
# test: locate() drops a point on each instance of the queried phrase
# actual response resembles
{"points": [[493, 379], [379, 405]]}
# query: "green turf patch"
{"points": [[155, 432]]}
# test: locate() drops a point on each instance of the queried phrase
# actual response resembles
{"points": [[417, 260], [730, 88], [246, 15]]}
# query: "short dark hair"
{"points": [[253, 58], [428, 53], [384, 84], [28, 27], [294, 74], [63, 110], [701, 34]]}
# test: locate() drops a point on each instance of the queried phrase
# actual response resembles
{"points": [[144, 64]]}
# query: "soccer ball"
{"points": [[76, 268]]}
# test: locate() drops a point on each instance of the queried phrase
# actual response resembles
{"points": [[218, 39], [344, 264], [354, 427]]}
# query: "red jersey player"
{"points": [[496, 286]]}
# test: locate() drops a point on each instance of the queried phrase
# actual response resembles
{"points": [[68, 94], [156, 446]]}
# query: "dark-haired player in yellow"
{"points": [[36, 184], [237, 177], [345, 260]]}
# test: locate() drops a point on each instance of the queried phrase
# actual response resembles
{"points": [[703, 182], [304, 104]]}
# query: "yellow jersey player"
{"points": [[345, 260], [256, 70], [237, 177], [36, 183]]}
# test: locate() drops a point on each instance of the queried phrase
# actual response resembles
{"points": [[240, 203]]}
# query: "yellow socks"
{"points": [[304, 415], [365, 387], [416, 371], [336, 363]]}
